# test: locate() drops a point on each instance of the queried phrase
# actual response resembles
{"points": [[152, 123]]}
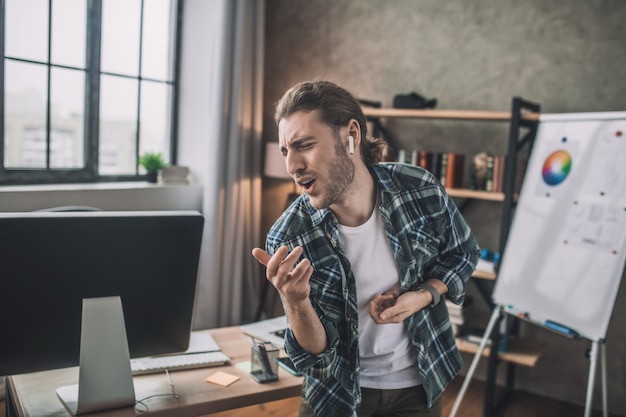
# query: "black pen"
{"points": [[265, 362]]}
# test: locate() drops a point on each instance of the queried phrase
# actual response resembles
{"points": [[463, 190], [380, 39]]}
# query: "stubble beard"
{"points": [[338, 180]]}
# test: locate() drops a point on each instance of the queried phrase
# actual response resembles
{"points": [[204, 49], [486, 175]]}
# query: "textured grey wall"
{"points": [[567, 55]]}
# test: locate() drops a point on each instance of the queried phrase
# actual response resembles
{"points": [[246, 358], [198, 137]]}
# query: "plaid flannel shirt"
{"points": [[429, 239]]}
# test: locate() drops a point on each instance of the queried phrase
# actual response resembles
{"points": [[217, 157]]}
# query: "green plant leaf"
{"points": [[152, 161]]}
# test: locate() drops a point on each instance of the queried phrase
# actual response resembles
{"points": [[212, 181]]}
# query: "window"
{"points": [[87, 87]]}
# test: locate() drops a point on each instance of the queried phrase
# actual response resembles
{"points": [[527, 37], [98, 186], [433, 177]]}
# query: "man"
{"points": [[362, 260]]}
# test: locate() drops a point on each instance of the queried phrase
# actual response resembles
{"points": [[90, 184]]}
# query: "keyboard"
{"points": [[154, 364]]}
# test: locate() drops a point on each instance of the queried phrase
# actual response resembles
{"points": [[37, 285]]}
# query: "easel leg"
{"points": [[605, 402], [593, 359], [492, 321]]}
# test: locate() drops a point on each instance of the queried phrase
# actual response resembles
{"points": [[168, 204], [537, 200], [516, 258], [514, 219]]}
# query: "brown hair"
{"points": [[336, 108]]}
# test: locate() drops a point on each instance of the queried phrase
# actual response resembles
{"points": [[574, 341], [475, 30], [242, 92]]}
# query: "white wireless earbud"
{"points": [[351, 144]]}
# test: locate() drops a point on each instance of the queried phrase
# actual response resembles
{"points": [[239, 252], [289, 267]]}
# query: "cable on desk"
{"points": [[141, 402]]}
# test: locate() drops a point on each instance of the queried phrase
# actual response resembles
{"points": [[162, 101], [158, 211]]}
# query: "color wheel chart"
{"points": [[556, 167], [565, 254], [557, 159]]}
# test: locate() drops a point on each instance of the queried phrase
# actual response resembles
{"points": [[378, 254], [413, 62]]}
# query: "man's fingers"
{"points": [[382, 301], [282, 262], [287, 275], [384, 308], [261, 256], [291, 259], [373, 310], [270, 261], [303, 270]]}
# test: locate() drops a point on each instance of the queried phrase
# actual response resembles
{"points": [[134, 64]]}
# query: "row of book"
{"points": [[448, 167], [486, 170], [494, 174]]}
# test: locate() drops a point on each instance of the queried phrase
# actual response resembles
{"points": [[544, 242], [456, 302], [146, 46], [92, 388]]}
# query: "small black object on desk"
{"points": [[263, 366]]}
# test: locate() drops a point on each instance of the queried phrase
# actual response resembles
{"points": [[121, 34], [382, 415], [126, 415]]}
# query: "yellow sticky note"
{"points": [[222, 378]]}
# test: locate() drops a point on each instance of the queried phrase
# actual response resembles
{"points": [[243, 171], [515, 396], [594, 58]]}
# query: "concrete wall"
{"points": [[568, 56]]}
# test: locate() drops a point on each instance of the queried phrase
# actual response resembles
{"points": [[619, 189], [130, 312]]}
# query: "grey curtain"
{"points": [[229, 162]]}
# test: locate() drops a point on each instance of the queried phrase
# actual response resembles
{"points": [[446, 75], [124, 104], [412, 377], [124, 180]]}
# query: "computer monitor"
{"points": [[51, 261]]}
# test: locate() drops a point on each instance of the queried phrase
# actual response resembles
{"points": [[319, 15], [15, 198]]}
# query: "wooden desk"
{"points": [[35, 394]]}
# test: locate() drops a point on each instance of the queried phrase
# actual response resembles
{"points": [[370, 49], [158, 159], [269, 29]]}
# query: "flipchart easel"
{"points": [[569, 224]]}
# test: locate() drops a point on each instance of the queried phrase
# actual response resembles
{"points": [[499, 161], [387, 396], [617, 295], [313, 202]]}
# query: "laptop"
{"points": [[270, 330]]}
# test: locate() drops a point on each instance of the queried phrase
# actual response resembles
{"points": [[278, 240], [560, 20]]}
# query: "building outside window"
{"points": [[87, 87]]}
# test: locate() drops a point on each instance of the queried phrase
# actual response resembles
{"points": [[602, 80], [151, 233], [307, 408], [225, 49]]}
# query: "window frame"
{"points": [[89, 173]]}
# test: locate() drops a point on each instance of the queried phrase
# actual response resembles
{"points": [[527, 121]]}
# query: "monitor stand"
{"points": [[105, 379]]}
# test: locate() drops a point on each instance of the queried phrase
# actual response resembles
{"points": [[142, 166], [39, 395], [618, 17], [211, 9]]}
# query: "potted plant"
{"points": [[152, 162]]}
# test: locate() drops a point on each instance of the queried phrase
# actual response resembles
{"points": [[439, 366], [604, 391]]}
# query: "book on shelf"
{"points": [[475, 335], [498, 173], [488, 172], [455, 166], [451, 168], [447, 167], [407, 156], [401, 156], [443, 168], [460, 315], [422, 160], [435, 163]]}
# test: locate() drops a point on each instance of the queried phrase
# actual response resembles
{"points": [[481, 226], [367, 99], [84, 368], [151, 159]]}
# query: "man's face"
{"points": [[315, 158]]}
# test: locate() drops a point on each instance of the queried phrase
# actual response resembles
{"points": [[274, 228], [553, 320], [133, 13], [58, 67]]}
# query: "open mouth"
{"points": [[306, 185]]}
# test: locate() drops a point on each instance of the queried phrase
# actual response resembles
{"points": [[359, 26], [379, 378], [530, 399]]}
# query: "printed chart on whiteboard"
{"points": [[566, 249]]}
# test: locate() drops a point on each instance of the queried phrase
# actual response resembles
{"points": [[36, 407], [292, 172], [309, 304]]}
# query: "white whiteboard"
{"points": [[566, 249]]}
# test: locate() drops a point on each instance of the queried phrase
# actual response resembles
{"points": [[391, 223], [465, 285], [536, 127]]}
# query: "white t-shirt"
{"points": [[388, 358]]}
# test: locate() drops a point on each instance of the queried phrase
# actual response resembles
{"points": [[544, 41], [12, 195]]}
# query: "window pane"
{"points": [[155, 118], [27, 29], [69, 20], [121, 21], [25, 115], [46, 79], [158, 39], [118, 125], [67, 94]]}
